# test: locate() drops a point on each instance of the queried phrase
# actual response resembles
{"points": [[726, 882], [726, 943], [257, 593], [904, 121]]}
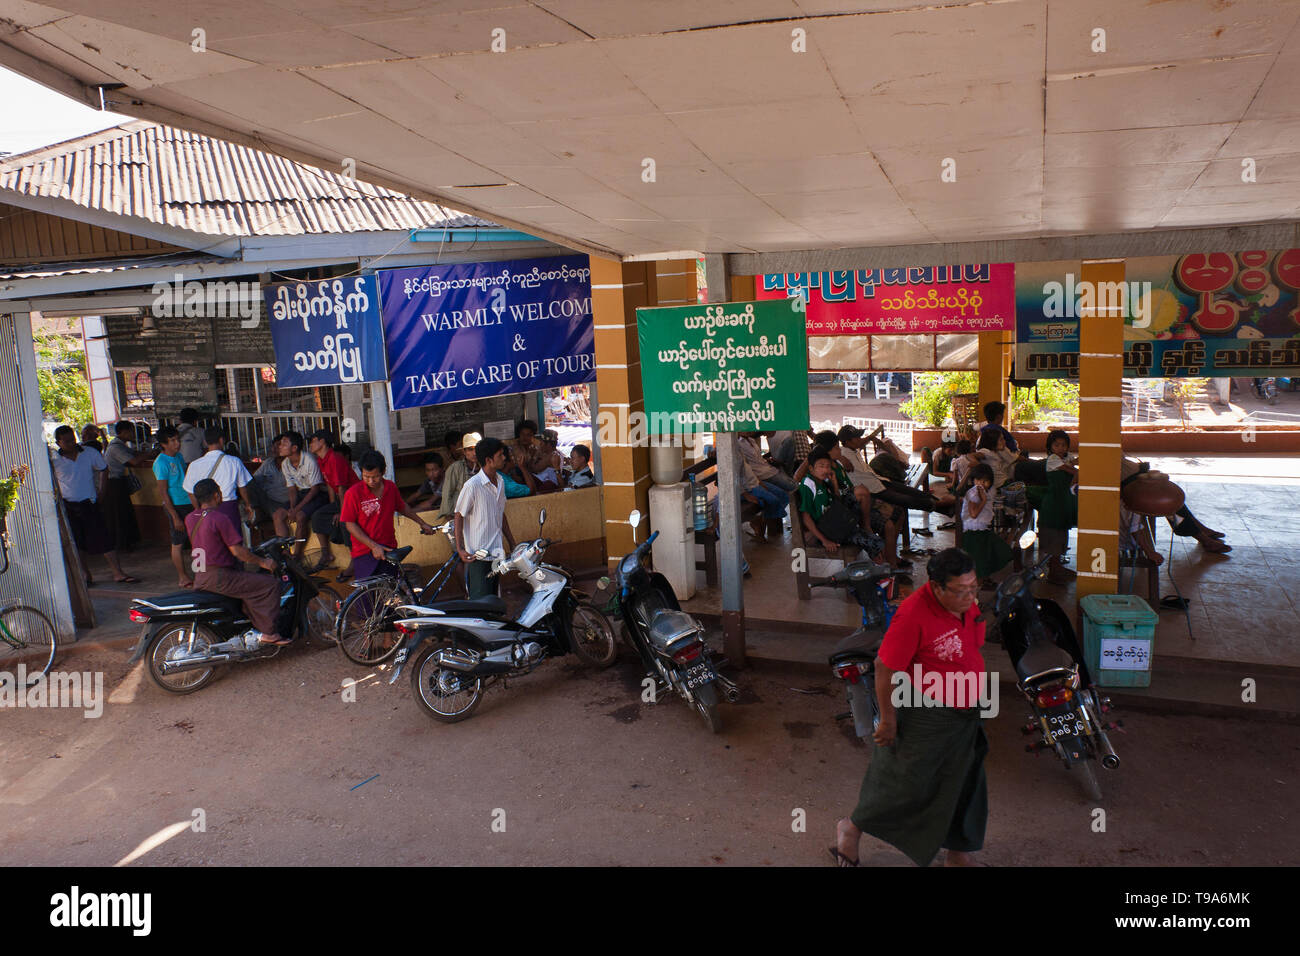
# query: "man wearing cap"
{"points": [[458, 472]]}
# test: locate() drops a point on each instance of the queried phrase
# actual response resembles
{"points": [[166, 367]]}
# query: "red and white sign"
{"points": [[919, 300]]}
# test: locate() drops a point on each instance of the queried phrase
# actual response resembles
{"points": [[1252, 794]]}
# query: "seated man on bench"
{"points": [[889, 470], [826, 519]]}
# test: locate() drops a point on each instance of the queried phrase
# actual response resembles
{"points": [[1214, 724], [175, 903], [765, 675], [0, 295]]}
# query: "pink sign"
{"points": [[925, 300]]}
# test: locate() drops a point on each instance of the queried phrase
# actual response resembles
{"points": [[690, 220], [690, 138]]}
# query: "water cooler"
{"points": [[670, 515]]}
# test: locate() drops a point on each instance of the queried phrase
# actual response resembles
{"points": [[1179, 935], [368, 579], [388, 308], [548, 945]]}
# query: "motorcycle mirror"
{"points": [[541, 518], [1027, 539], [634, 519]]}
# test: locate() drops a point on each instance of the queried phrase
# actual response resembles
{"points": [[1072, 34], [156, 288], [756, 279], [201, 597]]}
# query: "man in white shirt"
{"points": [[227, 471], [766, 472], [481, 517], [305, 485], [80, 473]]}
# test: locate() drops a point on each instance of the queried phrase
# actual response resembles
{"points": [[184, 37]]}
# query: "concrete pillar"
{"points": [[995, 350], [381, 435], [730, 555], [1101, 379], [617, 290]]}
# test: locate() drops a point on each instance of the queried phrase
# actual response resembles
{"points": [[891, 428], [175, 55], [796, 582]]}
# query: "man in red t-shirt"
{"points": [[369, 508], [924, 788], [339, 477]]}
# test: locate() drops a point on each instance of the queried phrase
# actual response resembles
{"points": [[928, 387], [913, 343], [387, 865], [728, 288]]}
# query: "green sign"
{"points": [[731, 366]]}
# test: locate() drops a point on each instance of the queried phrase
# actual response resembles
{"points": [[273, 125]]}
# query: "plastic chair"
{"points": [[883, 385], [852, 384]]}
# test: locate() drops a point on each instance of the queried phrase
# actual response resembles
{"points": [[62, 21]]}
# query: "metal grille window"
{"points": [[260, 411]]}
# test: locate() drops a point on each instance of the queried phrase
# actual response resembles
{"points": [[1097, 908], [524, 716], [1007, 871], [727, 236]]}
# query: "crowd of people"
{"points": [[306, 486], [989, 486]]}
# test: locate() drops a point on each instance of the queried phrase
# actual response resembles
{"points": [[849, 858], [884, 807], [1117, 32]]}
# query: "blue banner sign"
{"points": [[475, 330], [326, 332]]}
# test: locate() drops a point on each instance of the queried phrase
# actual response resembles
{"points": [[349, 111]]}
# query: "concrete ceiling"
{"points": [[756, 148]]}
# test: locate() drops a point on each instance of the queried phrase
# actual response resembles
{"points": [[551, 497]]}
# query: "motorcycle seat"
{"points": [[196, 599], [861, 643], [1042, 656], [488, 606], [863, 572]]}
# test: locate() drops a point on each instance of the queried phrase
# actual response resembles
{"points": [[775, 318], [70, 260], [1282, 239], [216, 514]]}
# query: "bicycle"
{"points": [[24, 632], [364, 627]]}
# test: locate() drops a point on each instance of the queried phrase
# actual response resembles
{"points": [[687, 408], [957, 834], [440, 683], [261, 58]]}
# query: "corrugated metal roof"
{"points": [[55, 269], [174, 177]]}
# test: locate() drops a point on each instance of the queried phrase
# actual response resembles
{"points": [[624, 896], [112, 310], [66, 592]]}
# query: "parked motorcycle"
{"points": [[1066, 709], [472, 644], [853, 660], [188, 635], [1266, 389], [669, 642]]}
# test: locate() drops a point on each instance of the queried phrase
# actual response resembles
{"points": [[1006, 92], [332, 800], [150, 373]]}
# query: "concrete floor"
{"points": [[1245, 606], [286, 773]]}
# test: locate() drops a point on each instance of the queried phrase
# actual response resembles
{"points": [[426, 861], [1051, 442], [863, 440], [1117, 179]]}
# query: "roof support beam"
{"points": [[1124, 245]]}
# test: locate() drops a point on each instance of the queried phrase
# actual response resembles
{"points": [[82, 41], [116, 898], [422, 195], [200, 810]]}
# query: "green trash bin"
{"points": [[1119, 636]]}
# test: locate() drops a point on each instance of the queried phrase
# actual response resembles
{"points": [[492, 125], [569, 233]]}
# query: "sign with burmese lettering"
{"points": [[920, 299], [326, 332], [732, 366], [1211, 314], [474, 330]]}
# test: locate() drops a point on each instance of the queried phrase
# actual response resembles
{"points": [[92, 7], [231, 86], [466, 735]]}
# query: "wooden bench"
{"points": [[802, 578]]}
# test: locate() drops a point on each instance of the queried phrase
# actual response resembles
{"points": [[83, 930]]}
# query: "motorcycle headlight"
{"points": [[627, 567]]}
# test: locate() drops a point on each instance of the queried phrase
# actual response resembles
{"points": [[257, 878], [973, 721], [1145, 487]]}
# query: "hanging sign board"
{"points": [[326, 332], [474, 330], [1213, 315], [911, 301], [734, 366]]}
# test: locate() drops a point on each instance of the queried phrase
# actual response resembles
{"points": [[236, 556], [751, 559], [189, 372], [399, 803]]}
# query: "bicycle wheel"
{"points": [[320, 614], [365, 630], [27, 635]]}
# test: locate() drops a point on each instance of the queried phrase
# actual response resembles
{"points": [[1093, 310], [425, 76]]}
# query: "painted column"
{"points": [[994, 367], [617, 290], [1101, 379]]}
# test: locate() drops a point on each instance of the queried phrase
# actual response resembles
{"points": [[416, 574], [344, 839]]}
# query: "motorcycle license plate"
{"points": [[1065, 723], [697, 675]]}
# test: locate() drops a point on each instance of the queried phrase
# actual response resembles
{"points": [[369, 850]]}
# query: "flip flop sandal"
{"points": [[1173, 602], [923, 533], [947, 526], [840, 859], [126, 580]]}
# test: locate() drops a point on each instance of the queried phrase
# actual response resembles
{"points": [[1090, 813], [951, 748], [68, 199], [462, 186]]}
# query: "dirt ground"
{"points": [[581, 772]]}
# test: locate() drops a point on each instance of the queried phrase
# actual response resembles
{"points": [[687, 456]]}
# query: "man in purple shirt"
{"points": [[217, 547]]}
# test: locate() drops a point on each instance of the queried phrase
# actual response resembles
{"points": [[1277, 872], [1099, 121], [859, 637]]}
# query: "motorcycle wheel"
{"points": [[591, 637], [173, 640], [364, 629], [321, 613], [443, 694], [706, 702], [1086, 775]]}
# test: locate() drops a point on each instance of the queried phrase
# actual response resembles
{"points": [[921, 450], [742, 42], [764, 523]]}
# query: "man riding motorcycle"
{"points": [[218, 549]]}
